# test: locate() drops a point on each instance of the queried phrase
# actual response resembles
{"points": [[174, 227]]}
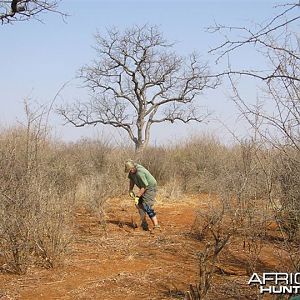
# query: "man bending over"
{"points": [[145, 198]]}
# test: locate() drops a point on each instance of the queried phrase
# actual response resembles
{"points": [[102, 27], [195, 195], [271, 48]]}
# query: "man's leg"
{"points": [[151, 213], [147, 203], [143, 215], [154, 221]]}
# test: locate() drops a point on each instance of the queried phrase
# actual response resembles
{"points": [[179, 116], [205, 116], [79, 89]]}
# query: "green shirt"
{"points": [[142, 178]]}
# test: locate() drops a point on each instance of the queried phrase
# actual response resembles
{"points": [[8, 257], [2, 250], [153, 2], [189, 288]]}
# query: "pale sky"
{"points": [[38, 58]]}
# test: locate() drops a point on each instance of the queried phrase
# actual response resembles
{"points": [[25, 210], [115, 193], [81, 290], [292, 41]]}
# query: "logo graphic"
{"points": [[277, 283]]}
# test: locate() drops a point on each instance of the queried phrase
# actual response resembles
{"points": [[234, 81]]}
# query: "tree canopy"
{"points": [[137, 80]]}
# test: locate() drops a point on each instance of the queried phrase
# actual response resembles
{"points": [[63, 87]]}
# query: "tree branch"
{"points": [[22, 10]]}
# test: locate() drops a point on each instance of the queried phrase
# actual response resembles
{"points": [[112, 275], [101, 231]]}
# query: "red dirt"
{"points": [[120, 262]]}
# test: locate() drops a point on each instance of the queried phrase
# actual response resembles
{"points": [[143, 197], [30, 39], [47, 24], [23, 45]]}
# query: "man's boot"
{"points": [[144, 225]]}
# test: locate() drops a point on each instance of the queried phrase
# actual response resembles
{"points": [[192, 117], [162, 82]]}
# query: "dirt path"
{"points": [[120, 263]]}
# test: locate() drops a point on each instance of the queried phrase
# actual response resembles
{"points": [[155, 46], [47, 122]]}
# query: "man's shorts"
{"points": [[147, 201]]}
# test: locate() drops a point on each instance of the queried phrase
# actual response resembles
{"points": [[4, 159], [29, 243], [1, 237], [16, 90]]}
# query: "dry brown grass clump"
{"points": [[36, 195]]}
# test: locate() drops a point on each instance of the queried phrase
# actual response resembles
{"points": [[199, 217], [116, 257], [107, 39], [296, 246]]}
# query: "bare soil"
{"points": [[118, 261]]}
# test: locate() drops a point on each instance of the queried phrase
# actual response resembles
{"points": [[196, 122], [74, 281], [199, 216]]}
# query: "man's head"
{"points": [[130, 166]]}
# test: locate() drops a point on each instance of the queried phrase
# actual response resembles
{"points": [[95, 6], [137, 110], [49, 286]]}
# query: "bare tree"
{"points": [[261, 37], [277, 41], [276, 115], [137, 80], [22, 10]]}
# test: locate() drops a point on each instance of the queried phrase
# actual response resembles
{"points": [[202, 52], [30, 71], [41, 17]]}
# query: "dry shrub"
{"points": [[256, 185], [288, 173], [193, 165], [215, 227], [204, 164], [246, 191], [241, 172], [36, 198], [101, 166], [36, 204], [241, 214], [158, 161], [171, 191], [40, 188], [197, 163]]}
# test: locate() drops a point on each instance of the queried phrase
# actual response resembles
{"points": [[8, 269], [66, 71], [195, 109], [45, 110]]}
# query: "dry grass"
{"points": [[36, 201]]}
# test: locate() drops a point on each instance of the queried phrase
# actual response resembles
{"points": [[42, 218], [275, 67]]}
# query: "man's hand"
{"points": [[136, 200], [134, 197]]}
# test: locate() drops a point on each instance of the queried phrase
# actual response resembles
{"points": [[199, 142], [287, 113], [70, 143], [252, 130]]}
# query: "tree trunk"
{"points": [[139, 148]]}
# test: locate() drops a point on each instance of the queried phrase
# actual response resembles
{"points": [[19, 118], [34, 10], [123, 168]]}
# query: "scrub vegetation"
{"points": [[253, 187]]}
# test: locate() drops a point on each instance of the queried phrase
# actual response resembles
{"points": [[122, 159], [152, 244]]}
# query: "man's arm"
{"points": [[141, 192], [145, 183], [131, 185]]}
